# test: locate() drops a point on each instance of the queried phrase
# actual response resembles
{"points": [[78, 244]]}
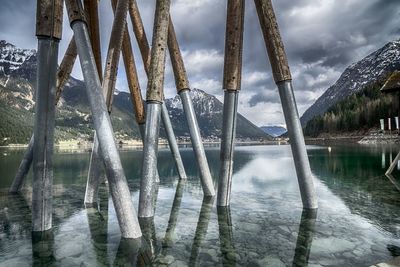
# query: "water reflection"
{"points": [[262, 227], [149, 237], [98, 228], [173, 217], [226, 236], [305, 237], [43, 248], [355, 174], [393, 180], [201, 229], [128, 253]]}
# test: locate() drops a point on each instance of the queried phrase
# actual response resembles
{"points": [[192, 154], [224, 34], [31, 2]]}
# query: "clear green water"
{"points": [[357, 224]]}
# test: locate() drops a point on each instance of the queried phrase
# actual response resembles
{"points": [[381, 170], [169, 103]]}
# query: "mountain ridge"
{"points": [[365, 72], [73, 119]]}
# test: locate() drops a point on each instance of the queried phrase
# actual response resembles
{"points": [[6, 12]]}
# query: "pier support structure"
{"points": [[48, 31], [108, 86], [283, 79], [231, 85], [96, 165], [183, 88], [119, 189], [63, 75], [182, 85], [154, 100]]}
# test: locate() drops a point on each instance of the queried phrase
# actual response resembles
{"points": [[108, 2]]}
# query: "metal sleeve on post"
{"points": [[154, 99], [273, 41], [75, 11], [172, 141], [157, 62], [119, 189], [49, 14], [23, 169], [181, 79], [233, 45]]}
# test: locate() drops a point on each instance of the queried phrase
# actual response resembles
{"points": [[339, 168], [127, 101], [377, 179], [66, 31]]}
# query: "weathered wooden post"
{"points": [[183, 88], [109, 80], [232, 81], [154, 99], [283, 79], [63, 74], [141, 38], [119, 189], [48, 31]]}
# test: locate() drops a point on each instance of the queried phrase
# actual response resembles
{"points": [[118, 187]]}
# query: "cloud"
{"points": [[321, 37]]}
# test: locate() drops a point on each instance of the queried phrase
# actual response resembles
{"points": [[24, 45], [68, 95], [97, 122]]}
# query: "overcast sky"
{"points": [[321, 37]]}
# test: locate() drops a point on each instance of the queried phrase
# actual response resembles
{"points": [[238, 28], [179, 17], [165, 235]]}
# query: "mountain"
{"points": [[357, 76], [73, 119], [274, 131], [355, 115]]}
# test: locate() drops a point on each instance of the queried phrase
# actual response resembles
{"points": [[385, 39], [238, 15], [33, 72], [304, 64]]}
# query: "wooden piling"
{"points": [[119, 189], [65, 69], [283, 80], [96, 166], [48, 32], [233, 45], [154, 99], [109, 80], [131, 75], [231, 86]]}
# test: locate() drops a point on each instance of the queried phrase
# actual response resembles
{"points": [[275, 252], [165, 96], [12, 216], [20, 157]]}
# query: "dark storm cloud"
{"points": [[266, 96], [321, 37]]}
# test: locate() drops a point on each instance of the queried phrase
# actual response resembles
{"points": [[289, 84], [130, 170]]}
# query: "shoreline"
{"points": [[82, 145]]}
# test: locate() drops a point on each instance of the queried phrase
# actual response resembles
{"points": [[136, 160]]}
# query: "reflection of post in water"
{"points": [[173, 218], [201, 229], [128, 253], [383, 157], [42, 248], [15, 215], [305, 237], [393, 181], [149, 236], [98, 227], [226, 236]]}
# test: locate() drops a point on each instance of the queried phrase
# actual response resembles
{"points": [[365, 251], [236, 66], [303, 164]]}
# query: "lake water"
{"points": [[357, 223]]}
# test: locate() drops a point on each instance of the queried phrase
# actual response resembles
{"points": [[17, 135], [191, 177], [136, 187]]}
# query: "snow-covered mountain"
{"points": [[357, 76], [17, 82], [12, 57]]}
